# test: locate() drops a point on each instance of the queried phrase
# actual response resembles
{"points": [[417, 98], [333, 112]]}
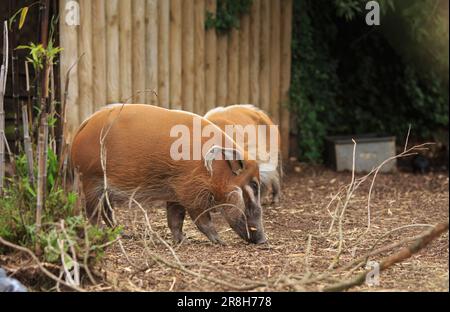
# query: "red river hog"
{"points": [[132, 152]]}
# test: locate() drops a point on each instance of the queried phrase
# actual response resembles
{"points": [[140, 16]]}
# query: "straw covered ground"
{"points": [[301, 245]]}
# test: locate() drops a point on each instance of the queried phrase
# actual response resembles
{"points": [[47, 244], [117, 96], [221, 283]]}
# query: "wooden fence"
{"points": [[162, 45]]}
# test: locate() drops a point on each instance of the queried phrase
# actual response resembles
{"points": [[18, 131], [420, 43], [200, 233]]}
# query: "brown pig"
{"points": [[130, 150]]}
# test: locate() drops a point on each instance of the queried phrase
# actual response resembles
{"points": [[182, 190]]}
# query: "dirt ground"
{"points": [[398, 199]]}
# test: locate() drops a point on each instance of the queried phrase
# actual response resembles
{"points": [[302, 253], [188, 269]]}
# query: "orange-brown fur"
{"points": [[137, 147]]}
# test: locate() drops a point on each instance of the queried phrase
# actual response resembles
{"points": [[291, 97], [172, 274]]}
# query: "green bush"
{"points": [[349, 78], [18, 217], [227, 15]]}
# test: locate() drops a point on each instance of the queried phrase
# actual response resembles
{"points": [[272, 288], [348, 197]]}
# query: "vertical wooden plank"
{"points": [[99, 53], [244, 61], [188, 78], [275, 51], [222, 70], [233, 67], [85, 64], [138, 39], [164, 53], [264, 75], [286, 60], [151, 81], [255, 35], [175, 54], [125, 44], [112, 52], [69, 42], [199, 54], [210, 61]]}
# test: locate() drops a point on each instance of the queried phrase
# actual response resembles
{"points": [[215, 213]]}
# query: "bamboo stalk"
{"points": [[244, 60], [275, 60], [28, 88], [233, 67], [3, 78], [255, 36], [285, 79], [139, 57], [98, 54], [175, 54], [85, 73], [125, 44], [222, 70], [63, 144], [199, 52], [27, 143], [15, 94], [210, 61], [264, 78], [188, 58], [112, 52], [152, 50], [43, 127], [40, 200], [52, 135], [164, 53]]}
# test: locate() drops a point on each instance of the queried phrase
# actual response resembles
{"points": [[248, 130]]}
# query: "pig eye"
{"points": [[255, 187]]}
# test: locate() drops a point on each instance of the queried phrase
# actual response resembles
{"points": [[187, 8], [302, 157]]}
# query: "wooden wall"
{"points": [[132, 47]]}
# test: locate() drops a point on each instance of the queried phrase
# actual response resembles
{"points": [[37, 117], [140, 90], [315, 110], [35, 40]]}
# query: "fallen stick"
{"points": [[405, 253]]}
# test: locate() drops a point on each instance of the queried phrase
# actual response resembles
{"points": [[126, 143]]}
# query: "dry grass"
{"points": [[397, 200]]}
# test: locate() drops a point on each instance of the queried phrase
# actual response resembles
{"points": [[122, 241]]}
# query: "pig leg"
{"points": [[204, 224], [92, 210], [175, 219], [275, 191]]}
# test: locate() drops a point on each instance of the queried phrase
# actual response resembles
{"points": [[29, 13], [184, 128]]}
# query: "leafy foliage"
{"points": [[349, 78], [227, 15], [17, 217]]}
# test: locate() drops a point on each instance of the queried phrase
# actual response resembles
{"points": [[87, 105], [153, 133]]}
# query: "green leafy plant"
{"points": [[349, 78], [227, 15]]}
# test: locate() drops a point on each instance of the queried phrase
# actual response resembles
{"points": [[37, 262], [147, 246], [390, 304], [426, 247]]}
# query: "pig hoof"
{"points": [[217, 240], [178, 239]]}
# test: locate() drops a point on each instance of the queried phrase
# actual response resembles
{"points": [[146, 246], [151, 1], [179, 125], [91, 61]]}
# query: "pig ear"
{"points": [[229, 155]]}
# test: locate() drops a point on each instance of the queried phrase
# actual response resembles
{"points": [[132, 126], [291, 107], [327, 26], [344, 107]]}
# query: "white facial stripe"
{"points": [[248, 189]]}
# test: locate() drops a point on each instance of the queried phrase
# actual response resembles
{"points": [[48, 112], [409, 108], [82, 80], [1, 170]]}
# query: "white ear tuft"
{"points": [[267, 167], [216, 152]]}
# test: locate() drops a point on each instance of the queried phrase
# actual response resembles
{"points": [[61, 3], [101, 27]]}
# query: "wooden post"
{"points": [[139, 63], [188, 78], [210, 61], [255, 36], [264, 78], [85, 65], [151, 81], [222, 70], [286, 55], [164, 53], [275, 51], [199, 55], [99, 53], [175, 54], [244, 60], [233, 67], [125, 48], [112, 52], [69, 42]]}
